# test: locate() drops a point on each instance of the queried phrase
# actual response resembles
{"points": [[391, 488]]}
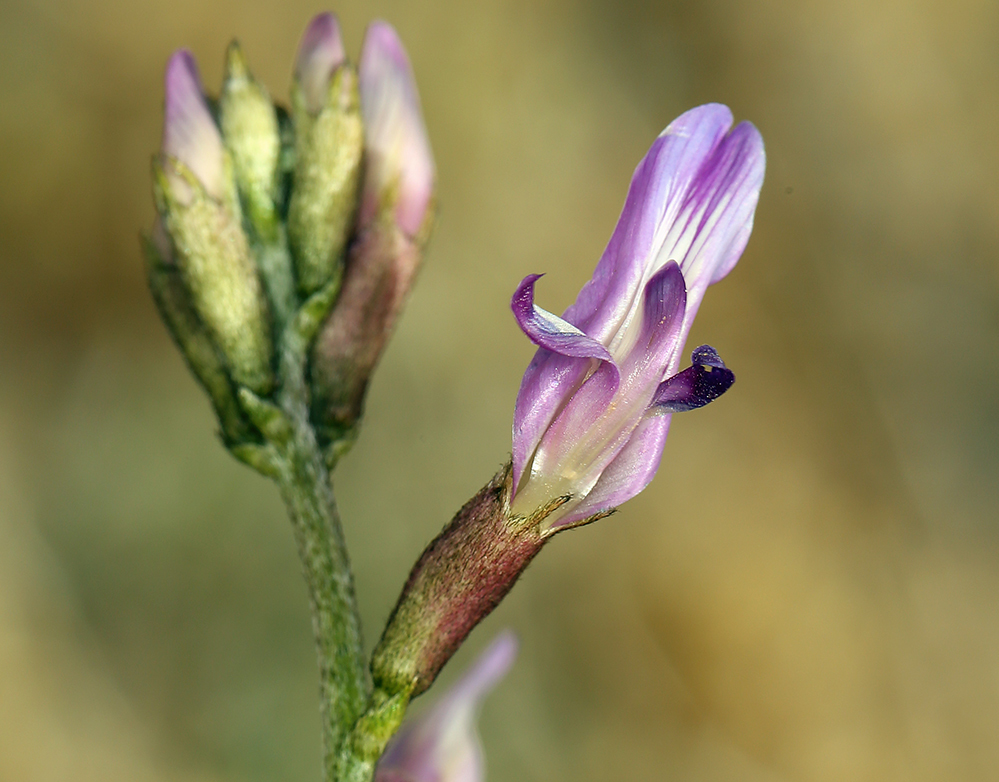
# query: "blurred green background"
{"points": [[808, 590]]}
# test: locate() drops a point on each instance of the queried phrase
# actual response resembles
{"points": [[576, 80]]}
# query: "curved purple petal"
{"points": [[630, 472], [664, 303], [697, 385], [549, 331]]}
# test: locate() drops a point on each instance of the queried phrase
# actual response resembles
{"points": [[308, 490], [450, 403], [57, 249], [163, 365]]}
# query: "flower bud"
{"points": [[250, 130], [441, 744], [196, 199], [190, 334], [399, 172], [393, 224], [328, 145]]}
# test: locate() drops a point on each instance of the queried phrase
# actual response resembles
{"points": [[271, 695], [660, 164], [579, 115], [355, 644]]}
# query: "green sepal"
{"points": [[313, 313], [328, 153], [267, 417], [262, 458], [219, 272], [197, 348], [250, 130]]}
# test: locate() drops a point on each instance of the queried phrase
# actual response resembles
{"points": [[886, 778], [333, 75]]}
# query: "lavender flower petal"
{"points": [[630, 472], [658, 191]]}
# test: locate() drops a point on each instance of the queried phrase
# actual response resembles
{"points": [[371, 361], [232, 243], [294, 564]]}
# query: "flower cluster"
{"points": [[261, 208]]}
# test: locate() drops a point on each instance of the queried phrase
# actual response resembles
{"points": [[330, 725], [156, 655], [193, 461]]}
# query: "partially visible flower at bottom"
{"points": [[442, 745]]}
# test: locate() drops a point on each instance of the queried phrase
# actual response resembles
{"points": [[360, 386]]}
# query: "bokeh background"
{"points": [[808, 590]]}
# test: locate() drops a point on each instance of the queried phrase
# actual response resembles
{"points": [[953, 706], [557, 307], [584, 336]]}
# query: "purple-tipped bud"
{"points": [[319, 54], [196, 199], [391, 230], [400, 171], [190, 134], [329, 143], [595, 403], [442, 744]]}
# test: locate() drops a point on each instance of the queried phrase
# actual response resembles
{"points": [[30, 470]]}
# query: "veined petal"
{"points": [[708, 236], [549, 331], [549, 381], [697, 385], [441, 745], [659, 189], [630, 472], [396, 144], [190, 134], [319, 54]]}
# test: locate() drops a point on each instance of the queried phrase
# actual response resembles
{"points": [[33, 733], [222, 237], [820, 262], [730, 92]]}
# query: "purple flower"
{"points": [[595, 403], [441, 745]]}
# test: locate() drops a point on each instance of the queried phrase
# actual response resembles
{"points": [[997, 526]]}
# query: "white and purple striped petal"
{"points": [[581, 430]]}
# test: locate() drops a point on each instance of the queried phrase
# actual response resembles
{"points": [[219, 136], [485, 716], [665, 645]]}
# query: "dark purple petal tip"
{"points": [[695, 386]]}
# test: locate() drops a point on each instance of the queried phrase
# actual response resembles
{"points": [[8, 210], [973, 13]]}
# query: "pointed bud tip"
{"points": [[236, 66], [319, 54]]}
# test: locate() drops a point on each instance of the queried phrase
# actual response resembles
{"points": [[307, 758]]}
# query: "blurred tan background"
{"points": [[809, 589]]}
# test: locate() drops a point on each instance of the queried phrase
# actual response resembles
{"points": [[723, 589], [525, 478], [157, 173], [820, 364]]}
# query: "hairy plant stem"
{"points": [[308, 494], [293, 457], [356, 722]]}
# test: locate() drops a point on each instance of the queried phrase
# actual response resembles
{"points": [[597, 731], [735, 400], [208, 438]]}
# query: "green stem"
{"points": [[305, 485], [364, 745]]}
